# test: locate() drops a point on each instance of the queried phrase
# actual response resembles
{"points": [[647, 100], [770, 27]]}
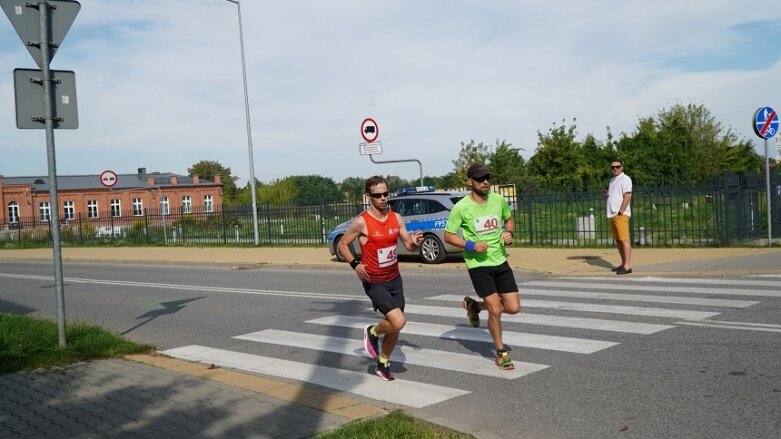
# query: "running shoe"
{"points": [[384, 372], [472, 311], [370, 342], [504, 361]]}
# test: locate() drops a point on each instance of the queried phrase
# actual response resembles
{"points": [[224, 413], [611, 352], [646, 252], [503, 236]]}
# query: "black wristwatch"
{"points": [[354, 263]]}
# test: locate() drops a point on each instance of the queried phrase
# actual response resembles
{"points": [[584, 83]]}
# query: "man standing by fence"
{"points": [[619, 211]]}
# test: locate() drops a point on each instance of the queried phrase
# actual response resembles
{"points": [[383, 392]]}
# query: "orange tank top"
{"points": [[379, 252]]}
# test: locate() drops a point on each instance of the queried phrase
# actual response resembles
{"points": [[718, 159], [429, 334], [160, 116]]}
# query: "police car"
{"points": [[422, 209]]}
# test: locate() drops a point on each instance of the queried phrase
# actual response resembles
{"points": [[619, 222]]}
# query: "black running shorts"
{"points": [[489, 280], [386, 296]]}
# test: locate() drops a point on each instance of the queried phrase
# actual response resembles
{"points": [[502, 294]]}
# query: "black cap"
{"points": [[477, 171]]}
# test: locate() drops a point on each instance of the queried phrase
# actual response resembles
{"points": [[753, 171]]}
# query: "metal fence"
{"points": [[731, 211]]}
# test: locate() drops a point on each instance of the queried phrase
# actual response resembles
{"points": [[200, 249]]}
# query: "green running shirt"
{"points": [[481, 223]]}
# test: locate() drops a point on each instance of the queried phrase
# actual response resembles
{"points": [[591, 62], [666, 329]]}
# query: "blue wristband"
{"points": [[469, 246]]}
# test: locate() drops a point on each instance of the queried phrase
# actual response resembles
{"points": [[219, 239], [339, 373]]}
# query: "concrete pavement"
{"points": [[154, 396]]}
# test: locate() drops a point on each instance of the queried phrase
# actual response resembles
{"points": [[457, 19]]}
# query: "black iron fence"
{"points": [[731, 211]]}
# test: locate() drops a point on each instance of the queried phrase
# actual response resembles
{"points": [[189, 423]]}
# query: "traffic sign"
{"points": [[371, 148], [108, 178], [25, 17], [28, 91], [370, 131], [766, 122]]}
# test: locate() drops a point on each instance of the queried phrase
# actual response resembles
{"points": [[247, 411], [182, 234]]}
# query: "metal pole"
{"points": [[767, 182], [249, 129], [54, 217], [420, 165]]}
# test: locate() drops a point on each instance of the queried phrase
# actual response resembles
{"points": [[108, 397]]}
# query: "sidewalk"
{"points": [[155, 396]]}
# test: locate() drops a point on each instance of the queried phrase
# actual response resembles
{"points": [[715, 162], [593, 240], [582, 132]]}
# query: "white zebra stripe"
{"points": [[515, 339], [400, 391], [474, 364]]}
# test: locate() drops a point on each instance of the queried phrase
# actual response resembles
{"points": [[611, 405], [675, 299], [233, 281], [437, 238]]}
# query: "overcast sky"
{"points": [[159, 82]]}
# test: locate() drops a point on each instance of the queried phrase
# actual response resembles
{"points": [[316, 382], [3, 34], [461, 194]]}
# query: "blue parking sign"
{"points": [[766, 122]]}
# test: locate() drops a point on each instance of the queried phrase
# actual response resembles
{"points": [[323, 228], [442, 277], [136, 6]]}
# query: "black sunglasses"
{"points": [[481, 179], [379, 195], [617, 167]]}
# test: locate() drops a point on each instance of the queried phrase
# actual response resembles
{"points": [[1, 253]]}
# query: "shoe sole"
{"points": [[474, 322], [624, 272], [379, 374]]}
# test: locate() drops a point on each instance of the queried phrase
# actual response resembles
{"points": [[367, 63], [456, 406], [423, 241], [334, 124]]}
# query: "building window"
{"points": [[138, 207], [116, 209], [68, 210], [13, 212], [208, 204], [187, 204], [45, 211], [92, 209], [164, 206]]}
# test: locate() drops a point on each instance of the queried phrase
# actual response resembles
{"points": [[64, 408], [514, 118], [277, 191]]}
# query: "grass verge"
{"points": [[29, 343], [395, 424]]}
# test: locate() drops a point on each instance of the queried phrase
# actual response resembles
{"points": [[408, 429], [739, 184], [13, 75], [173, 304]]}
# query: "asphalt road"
{"points": [[660, 362]]}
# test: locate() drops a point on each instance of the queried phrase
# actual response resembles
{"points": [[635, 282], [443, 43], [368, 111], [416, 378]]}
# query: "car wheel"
{"points": [[339, 256], [432, 251]]}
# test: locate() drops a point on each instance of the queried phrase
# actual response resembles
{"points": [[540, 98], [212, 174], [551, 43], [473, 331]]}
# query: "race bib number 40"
{"points": [[387, 256], [486, 224]]}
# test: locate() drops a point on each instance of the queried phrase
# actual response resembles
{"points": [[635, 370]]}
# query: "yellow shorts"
{"points": [[619, 225]]}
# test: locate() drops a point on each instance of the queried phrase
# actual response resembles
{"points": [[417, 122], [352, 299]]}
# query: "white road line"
{"points": [[474, 364], [641, 298], [303, 294], [595, 307], [546, 320], [514, 339], [718, 324], [745, 281], [611, 286], [400, 391], [725, 322]]}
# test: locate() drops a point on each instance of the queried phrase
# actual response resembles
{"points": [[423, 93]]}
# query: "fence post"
{"points": [[224, 232], [268, 222]]}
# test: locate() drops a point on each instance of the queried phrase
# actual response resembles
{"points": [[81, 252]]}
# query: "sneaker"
{"points": [[370, 342], [472, 311], [504, 361], [623, 270], [384, 372], [620, 267]]}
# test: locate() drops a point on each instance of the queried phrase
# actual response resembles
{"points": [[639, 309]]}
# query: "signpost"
{"points": [[766, 126], [108, 178], [370, 131], [42, 25]]}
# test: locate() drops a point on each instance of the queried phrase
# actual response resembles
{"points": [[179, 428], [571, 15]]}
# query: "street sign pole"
{"points": [[54, 219], [767, 183]]}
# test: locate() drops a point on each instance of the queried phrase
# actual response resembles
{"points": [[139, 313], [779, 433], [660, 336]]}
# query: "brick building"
{"points": [[83, 197]]}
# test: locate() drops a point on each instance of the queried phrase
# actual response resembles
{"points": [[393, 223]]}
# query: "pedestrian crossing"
{"points": [[605, 314]]}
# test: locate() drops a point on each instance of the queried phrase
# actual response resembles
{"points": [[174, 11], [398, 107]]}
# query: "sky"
{"points": [[159, 82]]}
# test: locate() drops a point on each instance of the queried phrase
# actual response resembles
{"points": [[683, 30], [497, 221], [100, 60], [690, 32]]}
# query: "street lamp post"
{"points": [[249, 129]]}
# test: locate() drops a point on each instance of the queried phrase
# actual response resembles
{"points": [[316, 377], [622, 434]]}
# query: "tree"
{"points": [[559, 161], [353, 188], [208, 169], [311, 190], [684, 145], [506, 164], [470, 153]]}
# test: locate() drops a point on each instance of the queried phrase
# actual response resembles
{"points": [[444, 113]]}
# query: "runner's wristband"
{"points": [[354, 263], [469, 246]]}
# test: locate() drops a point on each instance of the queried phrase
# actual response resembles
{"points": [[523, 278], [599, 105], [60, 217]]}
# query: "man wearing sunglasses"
{"points": [[378, 230], [619, 211], [481, 216]]}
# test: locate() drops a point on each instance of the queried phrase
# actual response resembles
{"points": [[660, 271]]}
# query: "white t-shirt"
{"points": [[619, 185]]}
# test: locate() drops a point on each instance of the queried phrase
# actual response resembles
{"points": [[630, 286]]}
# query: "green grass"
{"points": [[395, 424], [28, 343]]}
